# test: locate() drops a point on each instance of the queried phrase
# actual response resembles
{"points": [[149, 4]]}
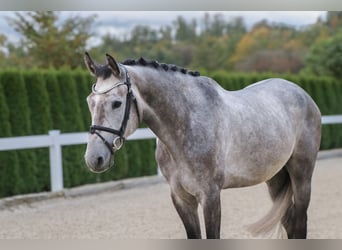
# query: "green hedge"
{"points": [[19, 117], [34, 102], [40, 119], [9, 164]]}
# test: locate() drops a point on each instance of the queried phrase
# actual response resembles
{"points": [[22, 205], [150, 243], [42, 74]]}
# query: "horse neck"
{"points": [[166, 99]]}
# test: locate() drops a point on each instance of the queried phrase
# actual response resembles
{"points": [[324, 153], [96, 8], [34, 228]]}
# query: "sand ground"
{"points": [[147, 212]]}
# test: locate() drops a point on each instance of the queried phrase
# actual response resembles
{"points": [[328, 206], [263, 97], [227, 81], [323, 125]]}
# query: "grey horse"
{"points": [[209, 138]]}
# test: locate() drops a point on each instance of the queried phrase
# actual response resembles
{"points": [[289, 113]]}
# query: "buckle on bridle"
{"points": [[117, 143]]}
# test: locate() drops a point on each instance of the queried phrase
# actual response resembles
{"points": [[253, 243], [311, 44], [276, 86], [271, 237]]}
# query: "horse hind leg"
{"points": [[300, 170], [280, 190], [290, 190], [280, 183]]}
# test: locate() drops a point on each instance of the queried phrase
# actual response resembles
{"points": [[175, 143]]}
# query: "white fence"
{"points": [[55, 140]]}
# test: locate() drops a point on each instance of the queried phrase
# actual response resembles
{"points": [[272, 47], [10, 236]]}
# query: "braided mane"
{"points": [[154, 64]]}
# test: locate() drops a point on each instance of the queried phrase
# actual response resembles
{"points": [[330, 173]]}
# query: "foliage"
{"points": [[214, 58], [4, 114], [334, 21], [10, 180], [19, 117], [73, 121], [56, 102], [83, 81], [39, 103], [185, 31], [325, 57], [211, 43], [48, 41]]}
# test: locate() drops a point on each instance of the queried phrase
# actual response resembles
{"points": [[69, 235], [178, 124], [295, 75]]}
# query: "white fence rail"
{"points": [[55, 140], [331, 119]]}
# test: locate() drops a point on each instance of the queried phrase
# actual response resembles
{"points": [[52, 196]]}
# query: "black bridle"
{"points": [[120, 133]]}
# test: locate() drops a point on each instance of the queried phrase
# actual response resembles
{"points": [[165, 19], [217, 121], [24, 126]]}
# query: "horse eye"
{"points": [[116, 104]]}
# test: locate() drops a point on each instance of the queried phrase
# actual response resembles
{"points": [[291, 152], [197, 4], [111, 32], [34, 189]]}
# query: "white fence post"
{"points": [[159, 173], [56, 167]]}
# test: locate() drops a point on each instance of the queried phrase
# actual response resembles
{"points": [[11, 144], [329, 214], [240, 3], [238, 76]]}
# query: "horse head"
{"points": [[113, 116]]}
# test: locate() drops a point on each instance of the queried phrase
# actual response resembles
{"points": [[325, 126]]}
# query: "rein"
{"points": [[120, 133]]}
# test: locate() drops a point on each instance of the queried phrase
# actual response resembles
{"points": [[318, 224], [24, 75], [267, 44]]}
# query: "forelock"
{"points": [[103, 71]]}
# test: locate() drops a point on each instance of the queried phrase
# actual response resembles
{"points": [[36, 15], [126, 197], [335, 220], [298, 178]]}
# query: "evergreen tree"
{"points": [[147, 159], [39, 104], [56, 100], [19, 117], [11, 182], [83, 84], [185, 31], [73, 160], [134, 152], [121, 167]]}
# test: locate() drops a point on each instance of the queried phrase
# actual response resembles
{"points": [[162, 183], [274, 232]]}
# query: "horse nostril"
{"points": [[99, 161]]}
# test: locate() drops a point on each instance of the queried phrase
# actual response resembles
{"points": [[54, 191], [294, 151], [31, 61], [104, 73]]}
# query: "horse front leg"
{"points": [[186, 206], [211, 204]]}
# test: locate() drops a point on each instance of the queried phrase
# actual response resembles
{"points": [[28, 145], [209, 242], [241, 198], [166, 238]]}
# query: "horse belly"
{"points": [[249, 176], [255, 167]]}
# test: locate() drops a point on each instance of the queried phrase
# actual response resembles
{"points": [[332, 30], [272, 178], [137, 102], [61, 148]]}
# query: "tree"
{"points": [[49, 41], [214, 26], [276, 60], [143, 39], [269, 47], [212, 53], [142, 34], [11, 182], [325, 57], [2, 46], [39, 103], [73, 160], [334, 21], [185, 31], [15, 92]]}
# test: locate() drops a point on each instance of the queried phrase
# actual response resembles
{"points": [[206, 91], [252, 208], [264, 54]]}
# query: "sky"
{"points": [[120, 22]]}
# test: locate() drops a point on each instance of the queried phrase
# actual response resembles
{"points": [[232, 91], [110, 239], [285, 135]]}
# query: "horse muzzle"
{"points": [[98, 158]]}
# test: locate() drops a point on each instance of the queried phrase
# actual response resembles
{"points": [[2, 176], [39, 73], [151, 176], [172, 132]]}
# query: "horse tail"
{"points": [[267, 224]]}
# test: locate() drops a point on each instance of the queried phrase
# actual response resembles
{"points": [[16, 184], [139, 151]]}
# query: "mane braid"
{"points": [[155, 64]]}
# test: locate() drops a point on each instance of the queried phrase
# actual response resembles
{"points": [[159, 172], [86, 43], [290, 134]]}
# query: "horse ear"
{"points": [[113, 65], [90, 64]]}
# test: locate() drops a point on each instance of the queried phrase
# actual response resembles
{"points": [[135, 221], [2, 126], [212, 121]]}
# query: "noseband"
{"points": [[120, 133]]}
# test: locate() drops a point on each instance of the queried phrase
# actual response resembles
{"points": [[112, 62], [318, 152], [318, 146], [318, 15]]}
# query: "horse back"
{"points": [[279, 94]]}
